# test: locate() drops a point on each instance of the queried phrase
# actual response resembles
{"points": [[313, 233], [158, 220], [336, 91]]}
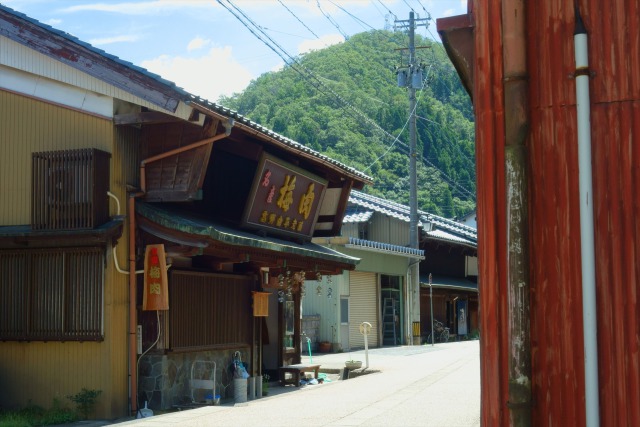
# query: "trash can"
{"points": [[239, 390]]}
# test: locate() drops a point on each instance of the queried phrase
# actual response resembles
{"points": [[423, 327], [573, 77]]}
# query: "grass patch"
{"points": [[33, 415]]}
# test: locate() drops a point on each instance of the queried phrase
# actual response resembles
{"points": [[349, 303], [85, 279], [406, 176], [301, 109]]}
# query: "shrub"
{"points": [[85, 401]]}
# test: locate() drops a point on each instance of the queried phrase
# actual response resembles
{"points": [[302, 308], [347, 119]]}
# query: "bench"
{"points": [[295, 371]]}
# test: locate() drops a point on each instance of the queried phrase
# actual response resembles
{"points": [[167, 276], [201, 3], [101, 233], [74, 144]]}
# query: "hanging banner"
{"points": [[156, 289]]}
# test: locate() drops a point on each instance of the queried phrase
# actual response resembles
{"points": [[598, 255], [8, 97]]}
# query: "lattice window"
{"points": [[52, 294], [209, 310], [69, 189]]}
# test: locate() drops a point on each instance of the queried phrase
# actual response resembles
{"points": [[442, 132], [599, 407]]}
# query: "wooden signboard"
{"points": [[284, 199], [156, 289]]}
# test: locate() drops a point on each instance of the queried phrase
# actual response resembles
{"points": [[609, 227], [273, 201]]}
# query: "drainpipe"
{"points": [[587, 245], [516, 121], [133, 315]]}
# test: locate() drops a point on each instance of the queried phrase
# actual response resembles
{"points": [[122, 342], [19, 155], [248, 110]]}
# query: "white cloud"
{"points": [[53, 22], [198, 43], [322, 42], [140, 8], [449, 12], [115, 39], [217, 73]]}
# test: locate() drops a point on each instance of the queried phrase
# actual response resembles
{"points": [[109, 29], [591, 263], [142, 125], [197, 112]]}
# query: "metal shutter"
{"points": [[363, 302]]}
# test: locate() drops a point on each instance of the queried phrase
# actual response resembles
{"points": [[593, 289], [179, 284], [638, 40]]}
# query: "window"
{"points": [[344, 311], [390, 282], [52, 294], [363, 231]]}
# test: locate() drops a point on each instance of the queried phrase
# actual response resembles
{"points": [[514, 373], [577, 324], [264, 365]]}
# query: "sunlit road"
{"points": [[410, 386]]}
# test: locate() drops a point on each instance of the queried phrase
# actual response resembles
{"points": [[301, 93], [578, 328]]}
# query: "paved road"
{"points": [[435, 386]]}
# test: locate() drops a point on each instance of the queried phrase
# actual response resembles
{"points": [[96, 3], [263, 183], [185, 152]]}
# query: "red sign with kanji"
{"points": [[156, 290]]}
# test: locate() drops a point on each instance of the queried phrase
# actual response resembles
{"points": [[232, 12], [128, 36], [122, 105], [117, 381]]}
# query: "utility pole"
{"points": [[410, 76]]}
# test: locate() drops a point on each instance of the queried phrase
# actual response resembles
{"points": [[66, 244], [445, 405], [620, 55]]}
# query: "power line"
{"points": [[351, 15], [295, 16], [319, 85], [335, 24]]}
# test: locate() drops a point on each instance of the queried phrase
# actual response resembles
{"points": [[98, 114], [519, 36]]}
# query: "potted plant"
{"points": [[324, 346], [265, 384], [353, 364]]}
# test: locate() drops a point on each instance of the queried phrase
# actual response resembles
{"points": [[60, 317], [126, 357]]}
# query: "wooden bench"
{"points": [[295, 371]]}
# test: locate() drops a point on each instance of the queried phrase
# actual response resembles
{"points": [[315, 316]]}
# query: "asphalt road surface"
{"points": [[405, 386]]}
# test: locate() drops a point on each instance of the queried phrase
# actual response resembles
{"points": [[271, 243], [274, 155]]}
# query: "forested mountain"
{"points": [[344, 101]]}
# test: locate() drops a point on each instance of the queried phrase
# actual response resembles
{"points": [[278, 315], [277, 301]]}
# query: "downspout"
{"points": [[133, 317], [516, 122], [587, 245]]}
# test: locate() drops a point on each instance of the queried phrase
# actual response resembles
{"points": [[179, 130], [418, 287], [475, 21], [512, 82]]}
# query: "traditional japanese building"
{"points": [[147, 237]]}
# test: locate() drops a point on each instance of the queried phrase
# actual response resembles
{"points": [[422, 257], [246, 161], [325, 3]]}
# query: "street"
{"points": [[408, 386]]}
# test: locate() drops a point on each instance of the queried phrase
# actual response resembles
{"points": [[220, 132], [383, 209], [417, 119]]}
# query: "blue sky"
{"points": [[204, 48]]}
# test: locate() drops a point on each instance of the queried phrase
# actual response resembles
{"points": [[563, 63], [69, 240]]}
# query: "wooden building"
{"points": [[108, 171], [377, 232], [449, 278], [555, 90]]}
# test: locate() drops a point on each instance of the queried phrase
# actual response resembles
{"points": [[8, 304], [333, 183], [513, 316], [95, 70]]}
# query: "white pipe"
{"points": [[115, 256], [113, 196], [119, 270], [589, 321]]}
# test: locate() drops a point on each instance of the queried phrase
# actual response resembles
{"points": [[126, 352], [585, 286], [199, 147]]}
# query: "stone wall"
{"points": [[163, 379]]}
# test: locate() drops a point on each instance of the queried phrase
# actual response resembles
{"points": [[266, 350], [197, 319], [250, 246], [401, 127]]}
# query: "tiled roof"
{"points": [[455, 228], [283, 139], [386, 207], [356, 216], [189, 98], [441, 228]]}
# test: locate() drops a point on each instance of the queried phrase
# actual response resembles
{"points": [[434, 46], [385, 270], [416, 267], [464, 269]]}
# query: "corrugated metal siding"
{"points": [[124, 170], [28, 126], [556, 328], [363, 307], [388, 230], [326, 308]]}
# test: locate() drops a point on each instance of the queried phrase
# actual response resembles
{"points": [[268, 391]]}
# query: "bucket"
{"points": [[144, 412], [239, 390]]}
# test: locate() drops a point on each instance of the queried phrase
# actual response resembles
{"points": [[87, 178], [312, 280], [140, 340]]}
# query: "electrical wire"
{"points": [[334, 23], [319, 85], [355, 18], [299, 20]]}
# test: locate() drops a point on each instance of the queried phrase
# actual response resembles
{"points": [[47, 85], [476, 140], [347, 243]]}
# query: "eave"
{"points": [[456, 33]]}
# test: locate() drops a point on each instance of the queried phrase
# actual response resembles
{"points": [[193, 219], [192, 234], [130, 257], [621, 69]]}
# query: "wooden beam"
{"points": [[82, 57], [144, 118]]}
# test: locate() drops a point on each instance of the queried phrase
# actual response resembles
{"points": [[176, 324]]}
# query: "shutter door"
{"points": [[363, 307]]}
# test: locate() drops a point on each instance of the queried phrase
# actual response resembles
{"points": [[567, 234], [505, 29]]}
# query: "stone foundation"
{"points": [[163, 379]]}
